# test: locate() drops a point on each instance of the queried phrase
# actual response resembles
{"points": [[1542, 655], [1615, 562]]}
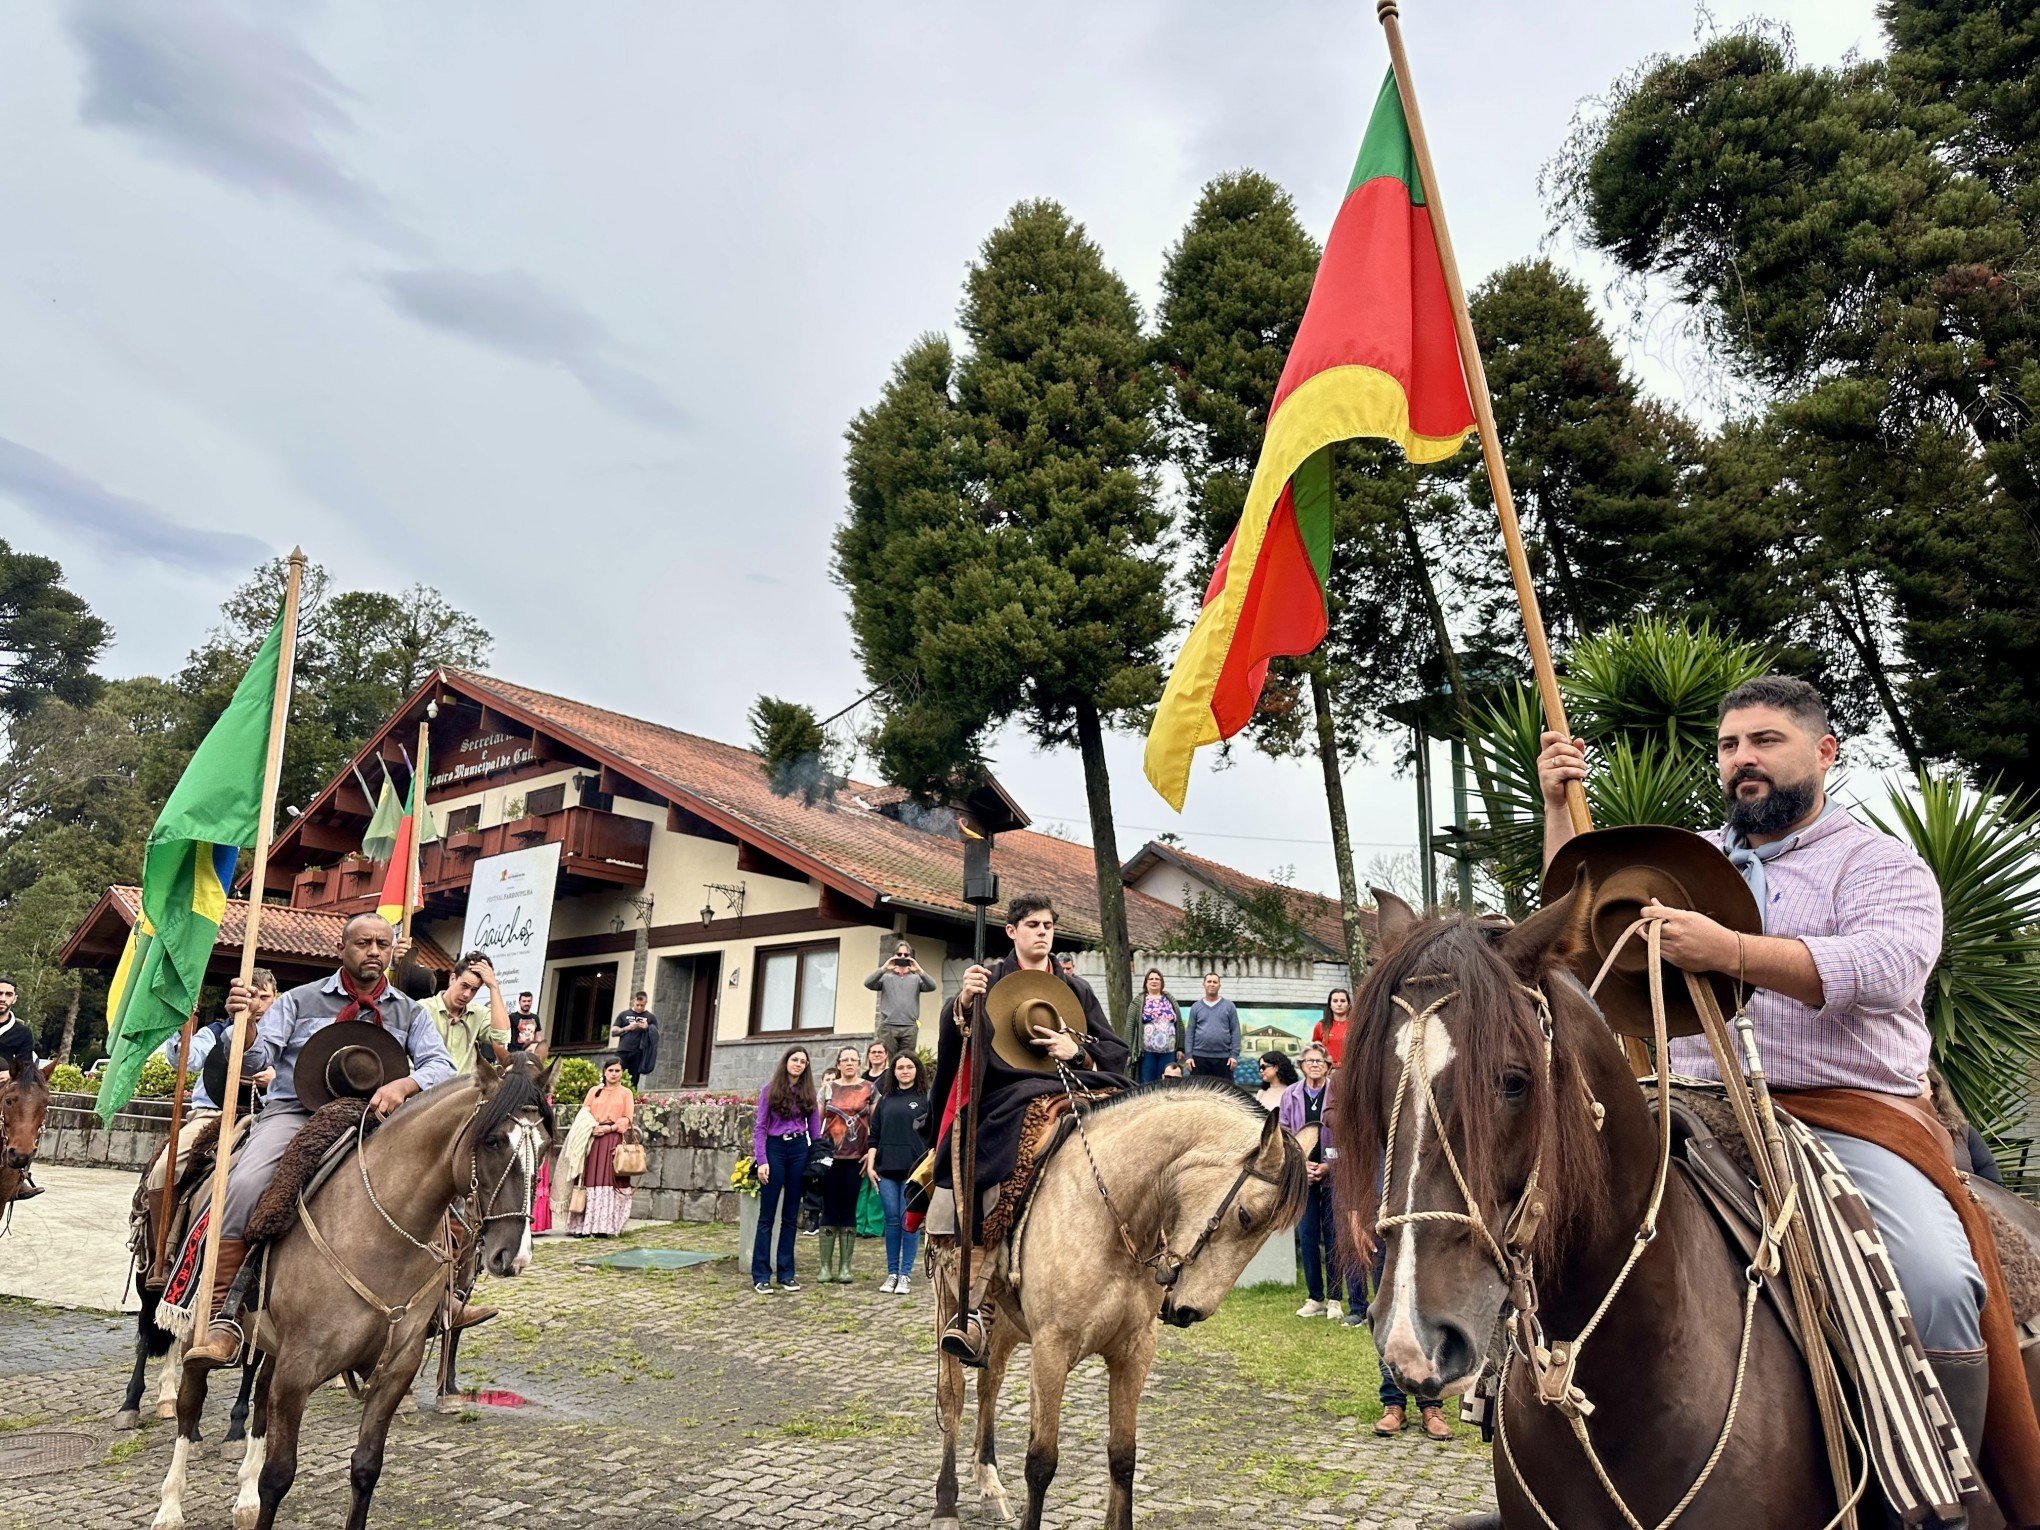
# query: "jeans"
{"points": [[1390, 1394], [785, 1163], [1318, 1235], [1152, 1063], [901, 1246]]}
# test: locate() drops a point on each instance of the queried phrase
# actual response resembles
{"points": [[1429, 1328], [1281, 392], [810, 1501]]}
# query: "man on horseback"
{"points": [[17, 1061], [359, 993], [1097, 1063], [1852, 927]]}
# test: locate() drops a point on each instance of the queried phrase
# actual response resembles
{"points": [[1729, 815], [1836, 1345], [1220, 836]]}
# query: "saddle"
{"points": [[197, 1149], [320, 1147], [1047, 1121]]}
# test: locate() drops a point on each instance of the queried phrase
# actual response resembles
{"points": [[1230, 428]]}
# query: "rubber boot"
{"points": [[1965, 1382], [222, 1344], [848, 1247], [828, 1242]]}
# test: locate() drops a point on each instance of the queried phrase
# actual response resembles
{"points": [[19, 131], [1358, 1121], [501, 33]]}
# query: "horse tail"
{"points": [[153, 1335]]}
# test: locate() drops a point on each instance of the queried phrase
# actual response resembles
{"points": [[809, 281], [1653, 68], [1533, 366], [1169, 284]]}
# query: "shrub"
{"points": [[157, 1079], [68, 1078], [571, 1084]]}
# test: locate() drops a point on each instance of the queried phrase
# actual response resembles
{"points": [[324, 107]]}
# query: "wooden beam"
{"points": [[619, 785], [680, 821], [765, 864], [326, 835]]}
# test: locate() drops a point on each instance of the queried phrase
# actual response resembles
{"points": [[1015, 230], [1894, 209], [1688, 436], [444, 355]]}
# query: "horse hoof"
{"points": [[169, 1517], [948, 1524], [128, 1418], [449, 1402], [167, 1408]]}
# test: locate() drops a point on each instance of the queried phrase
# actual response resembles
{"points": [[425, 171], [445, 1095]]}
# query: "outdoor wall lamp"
{"points": [[642, 907], [732, 895]]}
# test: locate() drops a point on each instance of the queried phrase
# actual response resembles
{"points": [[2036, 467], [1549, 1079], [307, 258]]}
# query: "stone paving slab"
{"points": [[670, 1399]]}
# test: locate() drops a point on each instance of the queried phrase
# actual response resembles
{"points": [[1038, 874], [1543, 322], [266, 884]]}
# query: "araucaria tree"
{"points": [[1004, 552]]}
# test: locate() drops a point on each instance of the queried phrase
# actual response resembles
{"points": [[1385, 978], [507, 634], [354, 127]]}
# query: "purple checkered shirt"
{"points": [[1868, 909]]}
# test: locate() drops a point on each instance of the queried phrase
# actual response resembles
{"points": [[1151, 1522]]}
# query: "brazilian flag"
{"points": [[209, 819]]}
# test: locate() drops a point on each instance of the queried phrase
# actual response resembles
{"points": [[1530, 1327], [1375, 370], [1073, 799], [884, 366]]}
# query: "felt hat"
{"points": [[348, 1059], [214, 1072], [1626, 868], [1018, 1003]]}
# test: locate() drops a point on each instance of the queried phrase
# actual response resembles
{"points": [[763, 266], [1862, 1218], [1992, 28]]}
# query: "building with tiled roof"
{"points": [[1172, 875], [751, 918]]}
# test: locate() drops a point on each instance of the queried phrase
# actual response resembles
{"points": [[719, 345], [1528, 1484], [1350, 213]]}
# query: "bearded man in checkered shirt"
{"points": [[1852, 928]]}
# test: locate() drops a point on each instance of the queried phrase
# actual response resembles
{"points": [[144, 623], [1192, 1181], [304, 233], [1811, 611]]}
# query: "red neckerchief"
{"points": [[361, 1005]]}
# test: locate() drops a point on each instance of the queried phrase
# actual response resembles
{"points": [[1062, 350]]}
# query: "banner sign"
{"points": [[509, 915]]}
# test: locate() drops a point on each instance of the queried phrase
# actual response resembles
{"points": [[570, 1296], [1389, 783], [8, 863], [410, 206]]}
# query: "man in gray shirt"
{"points": [[899, 985], [360, 992], [1214, 1033]]}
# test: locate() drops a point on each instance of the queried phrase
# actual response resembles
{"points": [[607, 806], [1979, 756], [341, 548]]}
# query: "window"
{"points": [[794, 990], [583, 1006], [547, 799], [464, 820]]}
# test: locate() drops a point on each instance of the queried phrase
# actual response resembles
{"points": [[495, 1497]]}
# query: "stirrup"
{"points": [[964, 1339], [196, 1354]]}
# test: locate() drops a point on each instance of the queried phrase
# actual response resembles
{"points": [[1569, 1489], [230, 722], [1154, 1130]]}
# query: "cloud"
{"points": [[240, 103], [507, 311], [69, 502]]}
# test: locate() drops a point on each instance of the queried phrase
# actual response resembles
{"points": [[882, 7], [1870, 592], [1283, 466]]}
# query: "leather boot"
{"points": [[1965, 1382], [461, 1314], [222, 1342], [968, 1337]]}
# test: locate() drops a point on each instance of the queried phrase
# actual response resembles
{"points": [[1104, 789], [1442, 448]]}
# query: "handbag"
{"points": [[631, 1158], [870, 1212], [578, 1201]]}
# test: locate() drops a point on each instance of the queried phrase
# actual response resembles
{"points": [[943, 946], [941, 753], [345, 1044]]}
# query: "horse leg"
{"points": [[1051, 1373], [248, 1501], [1127, 1374], [948, 1392], [990, 1489], [392, 1386], [237, 1421], [190, 1404], [130, 1415], [448, 1399], [173, 1370], [279, 1415]]}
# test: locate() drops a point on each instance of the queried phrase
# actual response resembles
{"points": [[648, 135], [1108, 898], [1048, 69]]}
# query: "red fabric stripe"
{"points": [[1380, 301], [1284, 613], [394, 889]]}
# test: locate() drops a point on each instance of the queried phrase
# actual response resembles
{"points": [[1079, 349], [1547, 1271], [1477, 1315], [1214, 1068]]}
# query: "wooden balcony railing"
{"points": [[596, 845]]}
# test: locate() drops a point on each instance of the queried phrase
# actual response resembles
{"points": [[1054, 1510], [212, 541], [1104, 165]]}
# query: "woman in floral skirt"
{"points": [[588, 1161]]}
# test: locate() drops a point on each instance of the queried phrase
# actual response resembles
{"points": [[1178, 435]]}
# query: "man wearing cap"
{"points": [[1851, 922], [1098, 1061], [360, 993]]}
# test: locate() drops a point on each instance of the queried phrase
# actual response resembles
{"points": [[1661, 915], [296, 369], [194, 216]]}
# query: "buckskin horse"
{"points": [[352, 1287], [24, 1103], [1152, 1211], [1684, 1429]]}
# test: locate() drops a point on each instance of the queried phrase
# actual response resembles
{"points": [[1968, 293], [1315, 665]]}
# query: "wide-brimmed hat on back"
{"points": [[1626, 868], [214, 1072], [1018, 1003], [349, 1059]]}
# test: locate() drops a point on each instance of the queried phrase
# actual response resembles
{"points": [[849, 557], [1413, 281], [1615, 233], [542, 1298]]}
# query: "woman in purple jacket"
{"points": [[789, 1118], [1303, 1104]]}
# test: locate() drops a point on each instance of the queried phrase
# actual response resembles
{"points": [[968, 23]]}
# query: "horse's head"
{"points": [[1226, 1204], [24, 1102], [1463, 1086], [511, 1132]]}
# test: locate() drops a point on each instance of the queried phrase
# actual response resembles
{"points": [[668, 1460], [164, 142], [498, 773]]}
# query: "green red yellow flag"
{"points": [[403, 887], [1376, 355]]}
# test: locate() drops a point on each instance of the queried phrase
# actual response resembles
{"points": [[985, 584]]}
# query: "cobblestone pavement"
{"points": [[682, 1399]]}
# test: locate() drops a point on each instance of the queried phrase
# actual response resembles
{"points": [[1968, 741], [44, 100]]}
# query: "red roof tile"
{"points": [[295, 933]]}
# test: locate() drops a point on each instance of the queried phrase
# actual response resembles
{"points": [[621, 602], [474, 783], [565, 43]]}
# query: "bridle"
{"points": [[1553, 1364], [1162, 1262]]}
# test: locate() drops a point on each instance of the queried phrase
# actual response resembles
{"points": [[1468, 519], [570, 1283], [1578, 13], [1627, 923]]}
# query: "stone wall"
{"points": [[73, 1136], [692, 1142]]}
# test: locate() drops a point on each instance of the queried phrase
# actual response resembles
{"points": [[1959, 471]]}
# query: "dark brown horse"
{"points": [[24, 1103], [1662, 1364]]}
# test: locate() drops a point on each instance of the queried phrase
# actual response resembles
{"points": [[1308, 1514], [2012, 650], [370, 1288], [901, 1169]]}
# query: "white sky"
{"points": [[564, 309]]}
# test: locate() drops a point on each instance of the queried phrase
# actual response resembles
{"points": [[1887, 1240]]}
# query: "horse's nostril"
{"points": [[1457, 1357]]}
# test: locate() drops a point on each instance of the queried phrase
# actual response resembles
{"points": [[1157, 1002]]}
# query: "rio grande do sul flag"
{"points": [[1376, 355]]}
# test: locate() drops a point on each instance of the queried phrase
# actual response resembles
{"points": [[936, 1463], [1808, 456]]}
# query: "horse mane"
{"points": [[1494, 1025], [517, 1091], [1292, 1189]]}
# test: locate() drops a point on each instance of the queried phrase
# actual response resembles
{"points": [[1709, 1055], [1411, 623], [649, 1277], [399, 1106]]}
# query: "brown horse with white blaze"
{"points": [[24, 1105], [1510, 1061], [1195, 1175]]}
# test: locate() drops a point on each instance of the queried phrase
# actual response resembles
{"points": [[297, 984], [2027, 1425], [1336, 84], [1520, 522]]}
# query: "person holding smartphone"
{"points": [[899, 985]]}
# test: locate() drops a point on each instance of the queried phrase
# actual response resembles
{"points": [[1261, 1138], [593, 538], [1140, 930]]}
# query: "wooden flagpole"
{"points": [[1484, 417], [414, 869], [238, 1037], [176, 1127]]}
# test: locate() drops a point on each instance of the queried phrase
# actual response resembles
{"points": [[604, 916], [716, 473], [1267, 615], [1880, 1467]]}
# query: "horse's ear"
{"points": [[1393, 918], [48, 1068], [545, 1074], [1268, 1156], [1552, 936], [488, 1072]]}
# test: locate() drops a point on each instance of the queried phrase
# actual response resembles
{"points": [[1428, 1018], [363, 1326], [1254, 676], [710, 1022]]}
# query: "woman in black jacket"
{"points": [[899, 1141]]}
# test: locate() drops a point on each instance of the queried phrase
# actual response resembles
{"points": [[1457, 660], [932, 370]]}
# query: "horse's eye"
{"points": [[1246, 1219], [1515, 1085]]}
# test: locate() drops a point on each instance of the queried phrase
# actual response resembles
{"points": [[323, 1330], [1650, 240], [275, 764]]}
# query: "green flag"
{"points": [[428, 826], [186, 871], [380, 840]]}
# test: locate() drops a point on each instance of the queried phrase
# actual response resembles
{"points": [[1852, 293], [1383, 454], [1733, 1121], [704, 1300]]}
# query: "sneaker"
{"points": [[1356, 1317], [1311, 1309], [902, 1284], [762, 1287], [789, 1285], [889, 1285], [1332, 1311]]}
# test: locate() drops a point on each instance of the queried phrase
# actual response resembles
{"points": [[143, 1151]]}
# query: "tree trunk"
{"points": [[1863, 635], [70, 1020], [1113, 939], [1335, 805]]}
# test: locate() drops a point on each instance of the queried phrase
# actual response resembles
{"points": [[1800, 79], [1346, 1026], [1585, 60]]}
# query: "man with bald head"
{"points": [[359, 993]]}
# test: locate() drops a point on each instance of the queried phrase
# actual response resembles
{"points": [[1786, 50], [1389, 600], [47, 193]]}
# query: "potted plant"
{"points": [[744, 1180], [464, 840], [355, 872], [518, 824]]}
